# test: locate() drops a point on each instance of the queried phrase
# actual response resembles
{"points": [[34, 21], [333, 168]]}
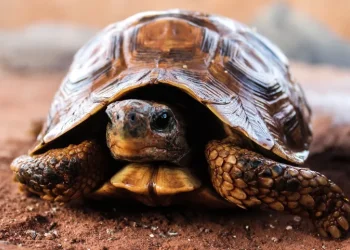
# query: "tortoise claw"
{"points": [[336, 223], [322, 232], [248, 179], [343, 223], [334, 231]]}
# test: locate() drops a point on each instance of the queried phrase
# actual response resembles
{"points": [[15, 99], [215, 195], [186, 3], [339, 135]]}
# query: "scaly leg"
{"points": [[249, 179], [62, 174]]}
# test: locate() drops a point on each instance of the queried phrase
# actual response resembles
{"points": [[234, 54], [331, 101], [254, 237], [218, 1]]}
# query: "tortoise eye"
{"points": [[162, 121]]}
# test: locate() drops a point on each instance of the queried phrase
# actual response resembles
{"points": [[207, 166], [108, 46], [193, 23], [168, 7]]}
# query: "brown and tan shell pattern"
{"points": [[238, 74]]}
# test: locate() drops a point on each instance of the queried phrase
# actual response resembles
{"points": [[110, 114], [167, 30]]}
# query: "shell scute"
{"points": [[238, 74]]}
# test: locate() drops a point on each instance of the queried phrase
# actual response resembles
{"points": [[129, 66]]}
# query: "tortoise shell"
{"points": [[235, 72]]}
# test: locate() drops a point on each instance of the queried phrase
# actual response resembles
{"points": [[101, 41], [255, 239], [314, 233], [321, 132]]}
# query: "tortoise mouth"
{"points": [[153, 183]]}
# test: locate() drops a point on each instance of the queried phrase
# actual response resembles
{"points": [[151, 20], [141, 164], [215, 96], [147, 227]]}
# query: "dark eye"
{"points": [[162, 120]]}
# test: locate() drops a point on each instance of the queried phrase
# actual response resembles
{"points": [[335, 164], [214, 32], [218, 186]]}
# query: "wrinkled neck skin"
{"points": [[145, 131]]}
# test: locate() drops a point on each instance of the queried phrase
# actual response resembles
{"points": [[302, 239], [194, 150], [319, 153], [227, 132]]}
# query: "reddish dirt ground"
{"points": [[27, 222]]}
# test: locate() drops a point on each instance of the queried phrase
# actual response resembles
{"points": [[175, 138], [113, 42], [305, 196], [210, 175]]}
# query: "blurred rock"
{"points": [[302, 38], [327, 90], [42, 47]]}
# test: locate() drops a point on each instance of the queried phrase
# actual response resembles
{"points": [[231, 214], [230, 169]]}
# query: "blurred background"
{"points": [[43, 35], [38, 39]]}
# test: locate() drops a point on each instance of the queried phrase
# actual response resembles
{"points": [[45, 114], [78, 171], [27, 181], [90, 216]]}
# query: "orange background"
{"points": [[98, 13]]}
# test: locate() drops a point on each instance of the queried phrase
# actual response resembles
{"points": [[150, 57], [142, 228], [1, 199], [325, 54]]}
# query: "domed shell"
{"points": [[238, 74]]}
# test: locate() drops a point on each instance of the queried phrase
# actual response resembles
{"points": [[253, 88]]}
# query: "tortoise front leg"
{"points": [[249, 179], [62, 174]]}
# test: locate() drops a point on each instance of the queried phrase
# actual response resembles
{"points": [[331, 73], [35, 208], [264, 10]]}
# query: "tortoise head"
{"points": [[145, 131]]}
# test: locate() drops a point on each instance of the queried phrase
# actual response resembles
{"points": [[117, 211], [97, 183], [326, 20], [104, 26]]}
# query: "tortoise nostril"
{"points": [[118, 117], [132, 116]]}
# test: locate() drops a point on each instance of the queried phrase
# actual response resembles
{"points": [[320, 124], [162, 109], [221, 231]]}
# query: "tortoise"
{"points": [[177, 107]]}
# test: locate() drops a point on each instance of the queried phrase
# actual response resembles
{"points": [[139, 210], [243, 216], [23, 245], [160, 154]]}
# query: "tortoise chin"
{"points": [[145, 131]]}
